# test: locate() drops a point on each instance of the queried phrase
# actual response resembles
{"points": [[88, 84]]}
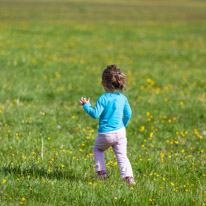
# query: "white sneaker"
{"points": [[101, 176], [129, 180]]}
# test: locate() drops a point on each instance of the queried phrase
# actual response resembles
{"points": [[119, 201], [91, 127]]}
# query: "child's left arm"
{"points": [[127, 113]]}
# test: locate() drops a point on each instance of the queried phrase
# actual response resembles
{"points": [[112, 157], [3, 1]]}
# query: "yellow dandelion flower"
{"points": [[161, 154], [142, 129], [115, 198], [3, 181], [115, 163]]}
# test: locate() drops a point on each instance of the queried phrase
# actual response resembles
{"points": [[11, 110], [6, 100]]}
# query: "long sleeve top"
{"points": [[113, 111]]}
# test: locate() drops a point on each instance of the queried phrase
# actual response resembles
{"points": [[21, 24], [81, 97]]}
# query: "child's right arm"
{"points": [[83, 101], [96, 112]]}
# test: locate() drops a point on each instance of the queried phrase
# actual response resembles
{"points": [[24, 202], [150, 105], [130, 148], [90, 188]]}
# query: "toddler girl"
{"points": [[114, 112]]}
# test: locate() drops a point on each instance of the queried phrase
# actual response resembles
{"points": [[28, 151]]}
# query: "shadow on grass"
{"points": [[39, 172]]}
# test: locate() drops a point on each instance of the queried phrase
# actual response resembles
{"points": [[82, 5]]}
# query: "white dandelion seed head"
{"points": [[58, 126]]}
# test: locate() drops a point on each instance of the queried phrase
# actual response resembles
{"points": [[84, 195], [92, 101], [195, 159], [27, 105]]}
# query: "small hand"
{"points": [[83, 101]]}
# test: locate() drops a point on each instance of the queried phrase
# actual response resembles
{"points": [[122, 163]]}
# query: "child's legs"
{"points": [[120, 150], [99, 159], [102, 143]]}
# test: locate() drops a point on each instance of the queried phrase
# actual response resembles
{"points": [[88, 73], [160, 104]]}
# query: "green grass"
{"points": [[52, 53]]}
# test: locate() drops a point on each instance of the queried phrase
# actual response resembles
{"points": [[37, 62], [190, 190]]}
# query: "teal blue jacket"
{"points": [[113, 111]]}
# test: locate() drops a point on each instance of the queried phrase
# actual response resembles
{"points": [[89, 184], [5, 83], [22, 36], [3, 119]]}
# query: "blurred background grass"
{"points": [[54, 50], [51, 53], [93, 11]]}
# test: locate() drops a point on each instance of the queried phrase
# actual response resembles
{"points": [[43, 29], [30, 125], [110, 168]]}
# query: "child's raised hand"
{"points": [[87, 100], [83, 101]]}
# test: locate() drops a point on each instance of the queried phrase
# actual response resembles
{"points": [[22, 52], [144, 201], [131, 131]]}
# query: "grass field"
{"points": [[54, 52]]}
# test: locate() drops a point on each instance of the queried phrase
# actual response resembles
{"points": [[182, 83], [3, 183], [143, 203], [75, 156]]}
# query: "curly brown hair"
{"points": [[113, 78]]}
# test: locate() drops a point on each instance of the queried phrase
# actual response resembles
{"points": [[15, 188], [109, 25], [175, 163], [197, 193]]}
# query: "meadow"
{"points": [[54, 52]]}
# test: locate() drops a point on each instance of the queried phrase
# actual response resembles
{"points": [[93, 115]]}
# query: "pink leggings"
{"points": [[117, 139]]}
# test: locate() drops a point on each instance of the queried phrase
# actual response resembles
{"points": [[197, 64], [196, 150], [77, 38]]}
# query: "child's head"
{"points": [[113, 79]]}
